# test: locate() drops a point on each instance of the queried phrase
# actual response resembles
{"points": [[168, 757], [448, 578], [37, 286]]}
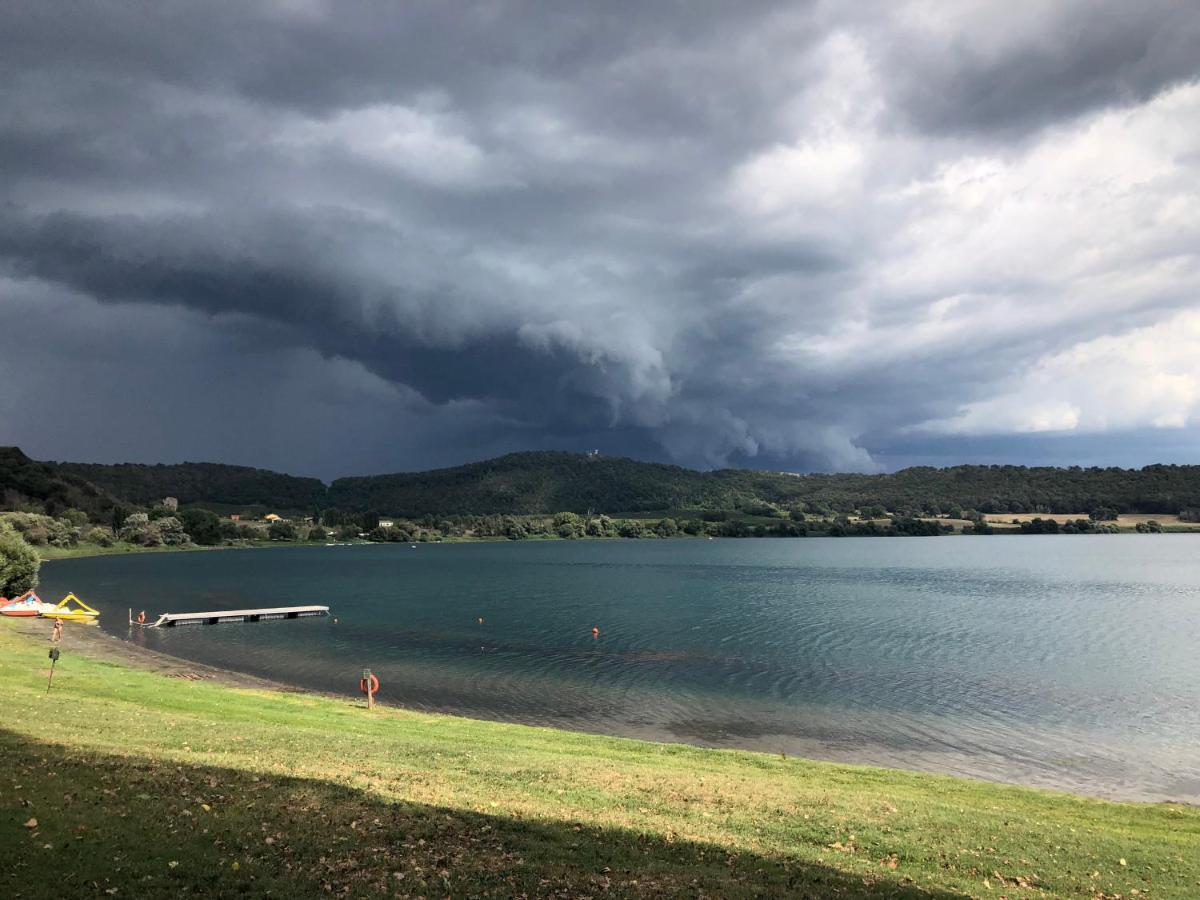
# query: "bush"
{"points": [[42, 530], [139, 529], [19, 563], [282, 531], [171, 531], [100, 535], [631, 528], [136, 530]]}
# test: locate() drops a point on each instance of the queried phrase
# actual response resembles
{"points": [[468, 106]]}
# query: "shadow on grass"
{"points": [[80, 823]]}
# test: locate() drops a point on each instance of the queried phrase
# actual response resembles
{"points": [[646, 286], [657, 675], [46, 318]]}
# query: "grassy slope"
{"points": [[154, 786]]}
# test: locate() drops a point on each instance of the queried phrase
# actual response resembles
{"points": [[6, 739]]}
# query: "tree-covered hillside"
{"points": [[535, 482], [29, 485], [546, 482], [200, 483]]}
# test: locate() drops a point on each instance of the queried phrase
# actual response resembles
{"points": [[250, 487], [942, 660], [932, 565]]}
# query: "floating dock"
{"points": [[171, 620]]}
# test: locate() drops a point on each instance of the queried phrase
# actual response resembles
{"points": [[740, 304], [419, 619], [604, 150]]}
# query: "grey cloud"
{"points": [[527, 218], [1084, 55]]}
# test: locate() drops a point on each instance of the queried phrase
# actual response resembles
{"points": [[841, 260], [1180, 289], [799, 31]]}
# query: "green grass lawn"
{"points": [[122, 782]]}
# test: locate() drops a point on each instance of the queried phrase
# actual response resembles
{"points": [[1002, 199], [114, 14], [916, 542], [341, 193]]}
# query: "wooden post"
{"points": [[53, 663]]}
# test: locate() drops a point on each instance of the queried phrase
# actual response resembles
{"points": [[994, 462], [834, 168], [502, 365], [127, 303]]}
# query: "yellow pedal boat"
{"points": [[80, 612]]}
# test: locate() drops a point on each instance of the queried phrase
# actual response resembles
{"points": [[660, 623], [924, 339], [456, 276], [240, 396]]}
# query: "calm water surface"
{"points": [[1067, 661]]}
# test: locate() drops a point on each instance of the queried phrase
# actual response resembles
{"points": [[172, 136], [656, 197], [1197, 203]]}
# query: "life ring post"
{"points": [[369, 685]]}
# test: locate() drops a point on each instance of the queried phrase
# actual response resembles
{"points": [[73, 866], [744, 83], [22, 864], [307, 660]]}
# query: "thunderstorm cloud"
{"points": [[335, 238]]}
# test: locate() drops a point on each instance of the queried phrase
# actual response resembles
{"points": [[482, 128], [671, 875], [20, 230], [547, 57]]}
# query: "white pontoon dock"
{"points": [[170, 620]]}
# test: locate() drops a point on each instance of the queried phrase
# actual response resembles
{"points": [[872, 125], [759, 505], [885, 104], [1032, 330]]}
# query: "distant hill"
{"points": [[31, 485], [534, 482], [548, 482], [199, 483]]}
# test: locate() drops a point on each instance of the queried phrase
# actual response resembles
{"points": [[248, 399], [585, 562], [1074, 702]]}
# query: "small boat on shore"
{"points": [[28, 604], [80, 612]]}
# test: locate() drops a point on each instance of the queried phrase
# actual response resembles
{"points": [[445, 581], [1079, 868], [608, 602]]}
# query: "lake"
{"points": [[1063, 661]]}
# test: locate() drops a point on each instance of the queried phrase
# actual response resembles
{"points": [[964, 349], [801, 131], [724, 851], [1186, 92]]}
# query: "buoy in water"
{"points": [[481, 620]]}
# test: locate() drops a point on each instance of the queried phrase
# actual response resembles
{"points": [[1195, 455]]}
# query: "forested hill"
{"points": [[200, 483], [29, 485], [534, 482], [549, 482], [546, 482]]}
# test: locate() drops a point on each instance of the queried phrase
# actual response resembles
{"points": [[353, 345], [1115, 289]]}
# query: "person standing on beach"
{"points": [[56, 632]]}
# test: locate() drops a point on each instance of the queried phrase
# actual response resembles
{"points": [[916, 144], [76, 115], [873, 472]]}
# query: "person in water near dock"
{"points": [[142, 617]]}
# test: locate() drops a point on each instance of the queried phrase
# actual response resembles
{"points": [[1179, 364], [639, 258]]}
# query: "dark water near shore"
{"points": [[1066, 661]]}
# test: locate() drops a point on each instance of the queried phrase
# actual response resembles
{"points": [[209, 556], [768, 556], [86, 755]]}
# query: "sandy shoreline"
{"points": [[93, 642]]}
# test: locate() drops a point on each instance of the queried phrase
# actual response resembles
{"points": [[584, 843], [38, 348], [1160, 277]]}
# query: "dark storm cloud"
{"points": [[759, 233], [1076, 57]]}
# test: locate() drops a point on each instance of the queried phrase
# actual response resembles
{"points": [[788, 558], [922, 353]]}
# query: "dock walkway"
{"points": [[171, 620]]}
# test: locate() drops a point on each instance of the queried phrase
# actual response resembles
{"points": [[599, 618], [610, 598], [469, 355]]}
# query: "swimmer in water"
{"points": [[595, 631]]}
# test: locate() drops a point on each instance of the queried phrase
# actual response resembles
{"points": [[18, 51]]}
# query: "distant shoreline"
{"points": [[999, 529]]}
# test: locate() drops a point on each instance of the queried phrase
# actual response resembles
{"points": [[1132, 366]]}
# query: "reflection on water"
{"points": [[1065, 661]]}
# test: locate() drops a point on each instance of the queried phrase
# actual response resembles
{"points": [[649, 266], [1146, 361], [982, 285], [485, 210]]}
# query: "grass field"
{"points": [[122, 782]]}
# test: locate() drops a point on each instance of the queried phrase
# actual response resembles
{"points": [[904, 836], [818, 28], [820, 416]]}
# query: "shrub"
{"points": [[98, 534], [282, 531], [171, 532], [19, 563]]}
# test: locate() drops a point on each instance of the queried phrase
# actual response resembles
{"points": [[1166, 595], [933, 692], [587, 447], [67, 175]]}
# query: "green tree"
{"points": [[19, 563], [282, 531], [631, 528], [100, 535], [202, 525], [136, 530], [171, 531]]}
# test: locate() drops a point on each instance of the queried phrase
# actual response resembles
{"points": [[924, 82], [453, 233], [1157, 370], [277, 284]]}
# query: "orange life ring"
{"points": [[362, 684]]}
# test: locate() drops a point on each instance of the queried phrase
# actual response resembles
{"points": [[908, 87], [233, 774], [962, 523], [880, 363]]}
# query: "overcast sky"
{"points": [[341, 238]]}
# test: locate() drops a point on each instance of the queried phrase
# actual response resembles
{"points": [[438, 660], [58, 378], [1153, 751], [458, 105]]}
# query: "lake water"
{"points": [[1065, 661]]}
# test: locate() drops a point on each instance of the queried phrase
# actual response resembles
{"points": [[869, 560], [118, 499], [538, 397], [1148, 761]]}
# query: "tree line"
{"points": [[545, 483]]}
